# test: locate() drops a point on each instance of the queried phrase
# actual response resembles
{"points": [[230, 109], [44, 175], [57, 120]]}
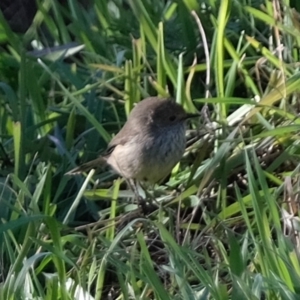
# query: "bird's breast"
{"points": [[163, 153], [149, 157]]}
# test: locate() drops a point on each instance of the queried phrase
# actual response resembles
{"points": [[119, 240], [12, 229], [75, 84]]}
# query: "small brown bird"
{"points": [[149, 145]]}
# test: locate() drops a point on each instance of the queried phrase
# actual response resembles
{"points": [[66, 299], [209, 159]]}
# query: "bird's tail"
{"points": [[86, 167]]}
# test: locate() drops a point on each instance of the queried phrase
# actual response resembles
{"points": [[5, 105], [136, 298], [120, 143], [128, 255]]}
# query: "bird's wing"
{"points": [[124, 136]]}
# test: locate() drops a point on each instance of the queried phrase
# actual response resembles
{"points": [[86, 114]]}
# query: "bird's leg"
{"points": [[133, 187], [133, 184], [146, 204], [150, 197]]}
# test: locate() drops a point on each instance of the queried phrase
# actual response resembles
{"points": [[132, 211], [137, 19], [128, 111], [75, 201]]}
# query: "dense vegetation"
{"points": [[227, 222]]}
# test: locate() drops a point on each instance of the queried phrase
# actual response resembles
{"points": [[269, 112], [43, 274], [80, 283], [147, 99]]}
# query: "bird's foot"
{"points": [[146, 206]]}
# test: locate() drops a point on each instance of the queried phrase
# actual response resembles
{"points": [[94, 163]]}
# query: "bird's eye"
{"points": [[172, 118]]}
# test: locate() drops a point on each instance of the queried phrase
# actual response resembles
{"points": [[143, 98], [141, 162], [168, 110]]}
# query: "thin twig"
{"points": [[206, 52], [204, 110]]}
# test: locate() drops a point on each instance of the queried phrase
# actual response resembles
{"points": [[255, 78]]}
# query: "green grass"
{"points": [[227, 224]]}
